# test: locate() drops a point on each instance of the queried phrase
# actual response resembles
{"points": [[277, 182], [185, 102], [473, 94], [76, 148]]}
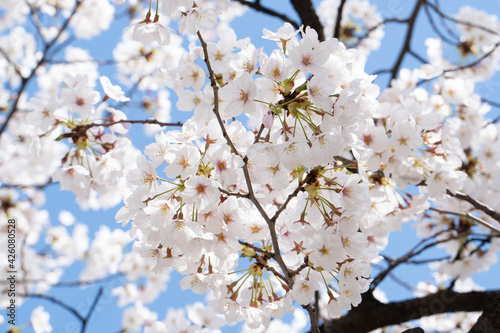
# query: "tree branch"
{"points": [[436, 30], [406, 45], [58, 302], [410, 254], [307, 14], [258, 7], [251, 195], [340, 10], [451, 18], [372, 314], [489, 322], [126, 121], [470, 216], [476, 204], [25, 80]]}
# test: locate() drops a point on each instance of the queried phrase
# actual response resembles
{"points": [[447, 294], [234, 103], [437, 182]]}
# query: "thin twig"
{"points": [[91, 310], [407, 42], [292, 195], [258, 7], [474, 63], [6, 56], [410, 254], [476, 204], [56, 301], [233, 194], [446, 25], [126, 121], [378, 25], [251, 195], [313, 317], [418, 57], [256, 248], [492, 103], [451, 18], [435, 28]]}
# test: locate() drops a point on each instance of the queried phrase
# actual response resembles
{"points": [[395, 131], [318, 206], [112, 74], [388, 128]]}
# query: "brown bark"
{"points": [[489, 322], [372, 314]]}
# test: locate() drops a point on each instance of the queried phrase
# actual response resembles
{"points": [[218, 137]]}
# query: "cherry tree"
{"points": [[276, 191]]}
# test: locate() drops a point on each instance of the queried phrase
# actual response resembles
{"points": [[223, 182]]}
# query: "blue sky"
{"points": [[107, 317]]}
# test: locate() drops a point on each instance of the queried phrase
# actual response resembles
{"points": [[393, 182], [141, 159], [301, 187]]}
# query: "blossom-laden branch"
{"points": [[271, 222], [451, 18]]}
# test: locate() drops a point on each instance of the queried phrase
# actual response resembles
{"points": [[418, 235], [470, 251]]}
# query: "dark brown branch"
{"points": [[336, 32], [489, 322], [308, 16], [406, 45], [25, 80], [469, 216], [304, 265], [418, 57], [376, 26], [372, 314], [126, 121], [258, 7], [6, 56], [28, 186]]}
